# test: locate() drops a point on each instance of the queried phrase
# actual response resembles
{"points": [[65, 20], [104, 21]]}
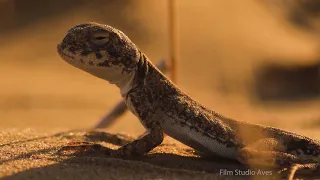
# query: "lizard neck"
{"points": [[126, 84], [135, 78], [148, 77]]}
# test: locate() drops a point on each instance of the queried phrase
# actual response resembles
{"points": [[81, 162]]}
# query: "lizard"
{"points": [[163, 108]]}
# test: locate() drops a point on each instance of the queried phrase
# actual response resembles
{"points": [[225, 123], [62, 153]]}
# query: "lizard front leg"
{"points": [[138, 147], [142, 108], [141, 146]]}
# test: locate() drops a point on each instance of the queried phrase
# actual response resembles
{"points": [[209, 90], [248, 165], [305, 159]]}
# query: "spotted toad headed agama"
{"points": [[162, 107]]}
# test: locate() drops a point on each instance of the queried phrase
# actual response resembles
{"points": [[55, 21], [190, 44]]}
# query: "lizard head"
{"points": [[102, 51]]}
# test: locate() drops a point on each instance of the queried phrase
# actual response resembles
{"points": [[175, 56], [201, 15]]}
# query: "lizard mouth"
{"points": [[76, 58], [61, 51], [65, 54], [61, 48]]}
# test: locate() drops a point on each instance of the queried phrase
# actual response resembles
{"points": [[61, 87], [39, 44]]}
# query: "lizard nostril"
{"points": [[72, 49], [60, 47]]}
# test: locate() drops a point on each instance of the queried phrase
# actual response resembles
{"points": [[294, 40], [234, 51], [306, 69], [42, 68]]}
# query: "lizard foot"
{"points": [[116, 139], [311, 169], [85, 148]]}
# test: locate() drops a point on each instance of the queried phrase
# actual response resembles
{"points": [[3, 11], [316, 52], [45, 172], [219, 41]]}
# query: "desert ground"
{"points": [[46, 103]]}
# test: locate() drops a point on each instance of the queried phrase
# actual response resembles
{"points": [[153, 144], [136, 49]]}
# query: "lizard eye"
{"points": [[100, 37]]}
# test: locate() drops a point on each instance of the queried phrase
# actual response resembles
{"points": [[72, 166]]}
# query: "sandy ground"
{"points": [[42, 97], [30, 154]]}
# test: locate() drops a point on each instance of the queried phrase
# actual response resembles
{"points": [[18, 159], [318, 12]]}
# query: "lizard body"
{"points": [[162, 107]]}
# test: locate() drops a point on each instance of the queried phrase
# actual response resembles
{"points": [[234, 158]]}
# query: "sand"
{"points": [[31, 154], [221, 44]]}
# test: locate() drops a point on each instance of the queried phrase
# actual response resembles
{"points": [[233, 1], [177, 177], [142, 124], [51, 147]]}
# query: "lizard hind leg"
{"points": [[310, 169], [263, 152], [268, 153]]}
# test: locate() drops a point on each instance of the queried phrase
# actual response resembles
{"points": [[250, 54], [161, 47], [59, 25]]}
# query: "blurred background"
{"points": [[253, 60]]}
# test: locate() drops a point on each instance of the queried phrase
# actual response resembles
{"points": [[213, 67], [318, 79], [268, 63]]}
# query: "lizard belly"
{"points": [[190, 136]]}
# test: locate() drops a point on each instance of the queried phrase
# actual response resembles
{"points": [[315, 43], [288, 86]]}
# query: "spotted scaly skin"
{"points": [[162, 107]]}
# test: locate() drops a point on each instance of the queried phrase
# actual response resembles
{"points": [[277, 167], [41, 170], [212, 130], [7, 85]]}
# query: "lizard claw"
{"points": [[83, 148]]}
